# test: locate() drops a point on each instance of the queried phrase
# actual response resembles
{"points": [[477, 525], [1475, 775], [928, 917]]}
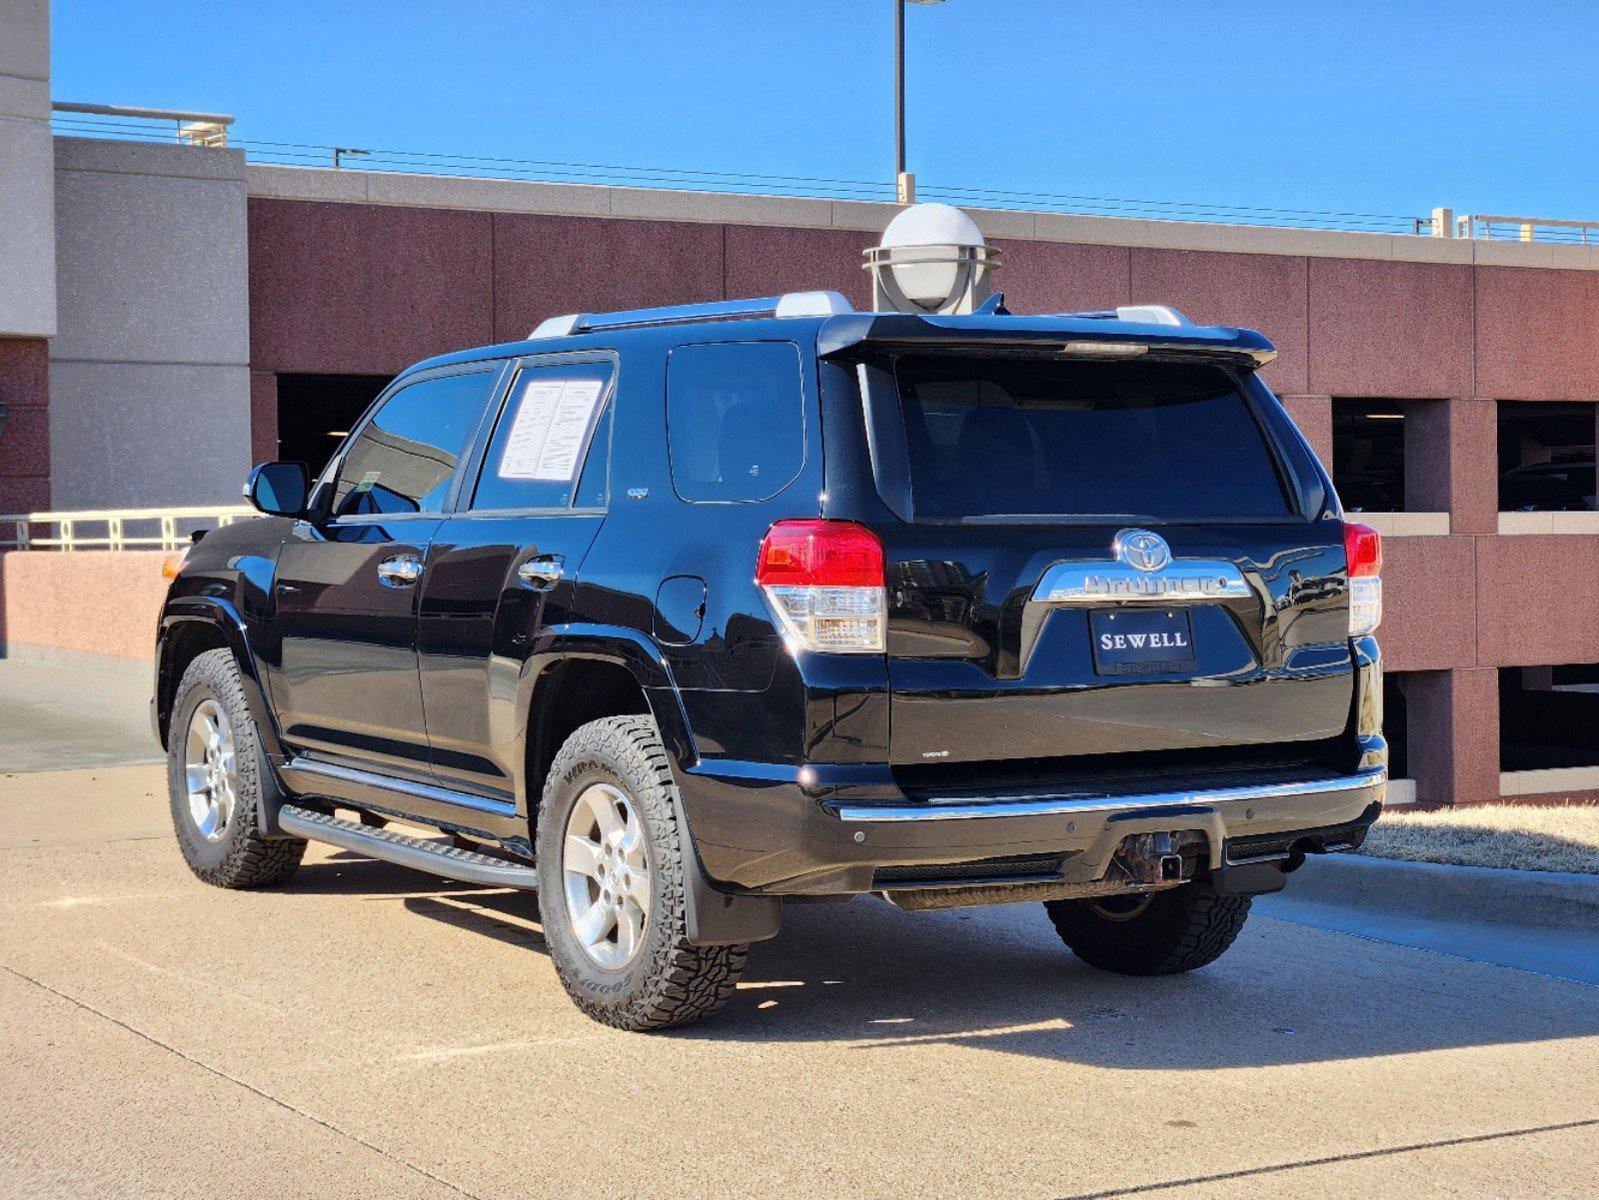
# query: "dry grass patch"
{"points": [[1523, 837]]}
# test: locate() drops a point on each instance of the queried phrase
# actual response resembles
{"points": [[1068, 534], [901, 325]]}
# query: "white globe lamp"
{"points": [[933, 259]]}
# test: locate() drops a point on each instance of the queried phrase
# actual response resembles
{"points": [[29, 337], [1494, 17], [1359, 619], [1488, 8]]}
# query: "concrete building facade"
{"points": [[180, 309]]}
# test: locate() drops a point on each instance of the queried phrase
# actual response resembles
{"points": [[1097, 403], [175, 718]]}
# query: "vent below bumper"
{"points": [[986, 870]]}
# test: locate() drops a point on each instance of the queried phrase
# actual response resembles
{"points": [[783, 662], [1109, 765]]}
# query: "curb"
{"points": [[1445, 892]]}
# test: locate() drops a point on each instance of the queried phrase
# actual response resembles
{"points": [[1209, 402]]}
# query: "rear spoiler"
{"points": [[1076, 335]]}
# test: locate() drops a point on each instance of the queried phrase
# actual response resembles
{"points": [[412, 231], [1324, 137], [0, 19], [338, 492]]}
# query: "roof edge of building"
{"points": [[478, 194]]}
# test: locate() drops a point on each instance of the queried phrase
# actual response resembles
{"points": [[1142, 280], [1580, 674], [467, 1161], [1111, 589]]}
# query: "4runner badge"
{"points": [[1142, 570]]}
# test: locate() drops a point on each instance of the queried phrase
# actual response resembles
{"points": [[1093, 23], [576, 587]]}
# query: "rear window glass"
{"points": [[1016, 437], [735, 420]]}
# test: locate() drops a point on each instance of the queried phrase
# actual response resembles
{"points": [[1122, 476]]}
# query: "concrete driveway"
{"points": [[77, 711], [367, 1031]]}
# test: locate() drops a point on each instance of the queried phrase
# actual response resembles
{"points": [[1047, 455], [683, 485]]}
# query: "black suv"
{"points": [[674, 615]]}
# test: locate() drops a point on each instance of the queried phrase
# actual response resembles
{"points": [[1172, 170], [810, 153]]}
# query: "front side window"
{"points": [[404, 458], [735, 420], [553, 423], [1011, 437]]}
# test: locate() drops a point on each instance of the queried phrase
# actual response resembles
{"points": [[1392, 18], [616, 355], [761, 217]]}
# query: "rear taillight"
{"points": [[1363, 550], [825, 582]]}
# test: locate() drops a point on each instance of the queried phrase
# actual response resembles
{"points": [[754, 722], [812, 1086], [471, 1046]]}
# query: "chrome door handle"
{"points": [[400, 571], [542, 573]]}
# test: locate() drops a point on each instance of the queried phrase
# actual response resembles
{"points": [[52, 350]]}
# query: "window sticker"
{"points": [[551, 425]]}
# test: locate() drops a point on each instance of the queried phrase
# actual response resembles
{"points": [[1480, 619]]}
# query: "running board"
{"points": [[467, 866]]}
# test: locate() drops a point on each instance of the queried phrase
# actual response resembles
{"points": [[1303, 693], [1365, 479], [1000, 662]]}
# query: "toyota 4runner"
{"points": [[674, 616]]}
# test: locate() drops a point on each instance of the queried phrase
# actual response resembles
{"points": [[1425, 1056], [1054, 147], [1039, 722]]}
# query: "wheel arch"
{"points": [[190, 627], [584, 673]]}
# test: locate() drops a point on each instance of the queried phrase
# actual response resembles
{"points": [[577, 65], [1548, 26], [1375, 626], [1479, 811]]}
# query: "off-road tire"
{"points": [[241, 857], [667, 982], [1179, 930]]}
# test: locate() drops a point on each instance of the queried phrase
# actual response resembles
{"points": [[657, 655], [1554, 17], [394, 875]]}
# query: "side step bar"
{"points": [[467, 866]]}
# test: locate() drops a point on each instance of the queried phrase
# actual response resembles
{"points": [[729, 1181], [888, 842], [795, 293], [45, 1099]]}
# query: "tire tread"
{"points": [[1191, 928], [249, 859], [685, 982]]}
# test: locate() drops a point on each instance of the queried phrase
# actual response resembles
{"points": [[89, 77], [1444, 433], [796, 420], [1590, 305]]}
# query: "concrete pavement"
{"points": [[1542, 921], [74, 711], [367, 1031]]}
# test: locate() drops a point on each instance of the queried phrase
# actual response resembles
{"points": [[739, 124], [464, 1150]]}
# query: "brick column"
{"points": [[263, 416], [1452, 462], [1453, 734], [1313, 415], [25, 439]]}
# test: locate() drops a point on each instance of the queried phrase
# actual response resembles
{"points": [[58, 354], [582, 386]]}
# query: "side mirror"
{"points": [[279, 489]]}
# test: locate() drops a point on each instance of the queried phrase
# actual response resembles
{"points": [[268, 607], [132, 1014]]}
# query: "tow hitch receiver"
{"points": [[1151, 859]]}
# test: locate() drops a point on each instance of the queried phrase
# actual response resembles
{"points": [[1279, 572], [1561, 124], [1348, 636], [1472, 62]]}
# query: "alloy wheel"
{"points": [[606, 874], [211, 770], [1122, 908]]}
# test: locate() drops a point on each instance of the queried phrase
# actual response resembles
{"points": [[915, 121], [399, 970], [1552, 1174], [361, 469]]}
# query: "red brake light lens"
{"points": [[1363, 548], [816, 553]]}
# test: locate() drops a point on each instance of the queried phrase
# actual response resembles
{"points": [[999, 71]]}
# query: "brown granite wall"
{"points": [[25, 440]]}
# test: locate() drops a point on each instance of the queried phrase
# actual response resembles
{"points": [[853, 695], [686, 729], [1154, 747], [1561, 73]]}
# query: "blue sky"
{"points": [[1342, 106]]}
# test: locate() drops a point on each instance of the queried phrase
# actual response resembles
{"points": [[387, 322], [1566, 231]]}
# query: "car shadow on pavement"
{"points": [[872, 977]]}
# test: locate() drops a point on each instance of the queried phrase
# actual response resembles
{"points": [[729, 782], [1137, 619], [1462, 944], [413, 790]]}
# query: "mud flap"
{"points": [[720, 918], [271, 796]]}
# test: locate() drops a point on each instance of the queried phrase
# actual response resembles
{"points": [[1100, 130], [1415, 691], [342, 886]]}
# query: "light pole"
{"points": [[904, 181]]}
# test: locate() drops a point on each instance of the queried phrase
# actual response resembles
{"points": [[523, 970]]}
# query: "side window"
{"points": [[403, 459], [735, 419], [543, 433], [594, 486]]}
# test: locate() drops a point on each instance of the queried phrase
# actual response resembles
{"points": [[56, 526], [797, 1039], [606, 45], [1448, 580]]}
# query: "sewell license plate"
{"points": [[1134, 641]]}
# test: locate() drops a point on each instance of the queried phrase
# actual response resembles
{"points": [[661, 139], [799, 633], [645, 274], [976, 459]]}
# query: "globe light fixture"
{"points": [[933, 259]]}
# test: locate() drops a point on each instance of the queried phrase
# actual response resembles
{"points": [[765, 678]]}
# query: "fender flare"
{"points": [[622, 647]]}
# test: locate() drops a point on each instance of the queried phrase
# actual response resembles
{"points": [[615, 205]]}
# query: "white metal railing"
{"points": [[114, 529], [192, 128], [123, 123], [1527, 229]]}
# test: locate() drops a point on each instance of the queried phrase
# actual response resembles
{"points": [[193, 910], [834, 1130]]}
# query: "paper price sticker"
{"points": [[551, 425]]}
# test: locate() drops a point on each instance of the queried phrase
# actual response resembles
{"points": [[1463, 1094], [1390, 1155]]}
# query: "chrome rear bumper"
{"points": [[1080, 805]]}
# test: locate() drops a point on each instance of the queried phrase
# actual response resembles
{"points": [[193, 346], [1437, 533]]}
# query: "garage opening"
{"points": [[316, 411], [1369, 454], [1547, 717], [1395, 722], [1546, 457]]}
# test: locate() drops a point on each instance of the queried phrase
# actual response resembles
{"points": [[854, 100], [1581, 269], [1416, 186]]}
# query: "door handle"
{"points": [[400, 571], [542, 573]]}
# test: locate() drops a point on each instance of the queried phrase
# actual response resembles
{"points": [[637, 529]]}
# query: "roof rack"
{"points": [[791, 304]]}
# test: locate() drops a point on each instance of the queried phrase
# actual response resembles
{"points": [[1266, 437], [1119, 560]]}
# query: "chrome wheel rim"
{"points": [[210, 770], [606, 875]]}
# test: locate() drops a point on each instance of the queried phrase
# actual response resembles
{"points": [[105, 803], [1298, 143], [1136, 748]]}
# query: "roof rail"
{"points": [[791, 304], [1139, 314]]}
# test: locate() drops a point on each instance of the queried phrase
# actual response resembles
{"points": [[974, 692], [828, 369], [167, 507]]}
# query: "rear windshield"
{"points": [[1017, 437]]}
